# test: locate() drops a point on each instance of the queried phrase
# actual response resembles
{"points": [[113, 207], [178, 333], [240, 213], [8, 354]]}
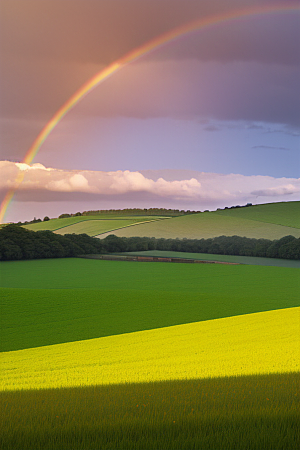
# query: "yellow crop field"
{"points": [[260, 343]]}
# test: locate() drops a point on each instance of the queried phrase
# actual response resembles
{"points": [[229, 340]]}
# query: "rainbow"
{"points": [[198, 24]]}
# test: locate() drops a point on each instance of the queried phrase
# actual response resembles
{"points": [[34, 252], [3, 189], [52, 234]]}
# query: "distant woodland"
{"points": [[18, 243]]}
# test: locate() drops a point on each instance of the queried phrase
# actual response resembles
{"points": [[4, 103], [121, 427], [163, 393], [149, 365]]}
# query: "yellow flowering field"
{"points": [[260, 343]]}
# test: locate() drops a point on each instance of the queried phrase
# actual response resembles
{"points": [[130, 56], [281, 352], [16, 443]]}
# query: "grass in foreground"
{"points": [[242, 413], [261, 343], [102, 298]]}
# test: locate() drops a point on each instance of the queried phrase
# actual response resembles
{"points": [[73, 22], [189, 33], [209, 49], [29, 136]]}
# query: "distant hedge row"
{"points": [[287, 247], [19, 243]]}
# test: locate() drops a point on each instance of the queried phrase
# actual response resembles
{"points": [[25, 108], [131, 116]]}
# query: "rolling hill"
{"points": [[261, 221], [270, 221]]}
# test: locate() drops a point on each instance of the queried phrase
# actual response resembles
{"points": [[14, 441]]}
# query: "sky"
{"points": [[208, 120]]}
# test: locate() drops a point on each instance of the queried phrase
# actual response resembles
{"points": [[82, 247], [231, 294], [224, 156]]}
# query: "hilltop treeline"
{"points": [[140, 212], [19, 243], [130, 212]]}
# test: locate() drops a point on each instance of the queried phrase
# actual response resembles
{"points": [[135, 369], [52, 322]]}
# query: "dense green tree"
{"points": [[9, 250]]}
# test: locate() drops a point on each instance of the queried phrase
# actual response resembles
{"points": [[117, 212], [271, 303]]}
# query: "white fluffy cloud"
{"points": [[194, 187]]}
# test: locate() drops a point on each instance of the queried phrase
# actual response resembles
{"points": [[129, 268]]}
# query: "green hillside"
{"points": [[270, 221], [52, 301], [284, 213], [209, 224]]}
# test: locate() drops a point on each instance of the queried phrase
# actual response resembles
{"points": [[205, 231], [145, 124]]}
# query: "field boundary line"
{"points": [[131, 225]]}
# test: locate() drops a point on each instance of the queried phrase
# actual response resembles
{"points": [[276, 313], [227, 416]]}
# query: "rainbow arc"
{"points": [[199, 24]]}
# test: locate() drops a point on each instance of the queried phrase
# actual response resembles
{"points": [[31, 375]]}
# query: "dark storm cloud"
{"points": [[50, 48], [99, 31], [249, 91]]}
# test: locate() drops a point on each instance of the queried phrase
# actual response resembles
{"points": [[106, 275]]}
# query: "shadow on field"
{"points": [[243, 413]]}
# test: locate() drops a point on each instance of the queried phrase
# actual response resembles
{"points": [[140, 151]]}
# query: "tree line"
{"points": [[19, 243], [287, 247]]}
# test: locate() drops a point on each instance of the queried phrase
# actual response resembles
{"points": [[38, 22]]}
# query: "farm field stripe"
{"points": [[57, 224], [86, 224], [259, 343], [96, 219], [130, 225]]}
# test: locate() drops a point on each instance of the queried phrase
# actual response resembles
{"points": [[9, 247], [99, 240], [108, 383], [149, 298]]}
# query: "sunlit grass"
{"points": [[257, 343]]}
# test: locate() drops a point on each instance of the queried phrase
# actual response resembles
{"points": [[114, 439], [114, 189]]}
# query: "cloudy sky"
{"points": [[208, 120]]}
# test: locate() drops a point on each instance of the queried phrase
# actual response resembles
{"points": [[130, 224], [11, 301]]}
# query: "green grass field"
{"points": [[248, 344], [51, 301], [240, 413]]}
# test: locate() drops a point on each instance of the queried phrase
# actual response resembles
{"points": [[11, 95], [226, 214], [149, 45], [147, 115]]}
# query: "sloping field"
{"points": [[207, 225], [54, 301], [284, 213], [95, 227], [259, 343]]}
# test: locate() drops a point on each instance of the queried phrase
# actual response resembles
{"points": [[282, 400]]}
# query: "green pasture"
{"points": [[47, 302], [284, 213], [206, 225], [222, 258], [242, 413]]}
